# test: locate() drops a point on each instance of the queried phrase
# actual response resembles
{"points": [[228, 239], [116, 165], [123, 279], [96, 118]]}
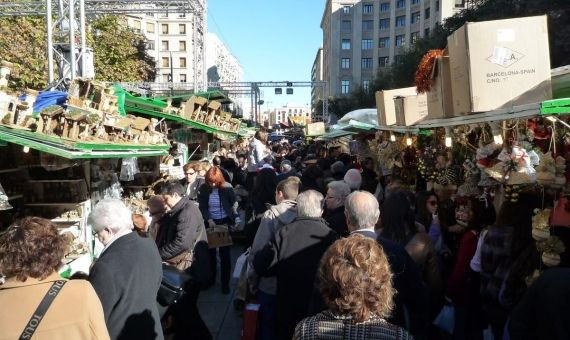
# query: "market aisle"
{"points": [[217, 309]]}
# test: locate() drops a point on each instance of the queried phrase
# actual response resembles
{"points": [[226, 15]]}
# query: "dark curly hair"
{"points": [[32, 248], [355, 279]]}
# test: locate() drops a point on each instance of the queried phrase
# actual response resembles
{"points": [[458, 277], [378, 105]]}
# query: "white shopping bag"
{"points": [[240, 264], [446, 318]]}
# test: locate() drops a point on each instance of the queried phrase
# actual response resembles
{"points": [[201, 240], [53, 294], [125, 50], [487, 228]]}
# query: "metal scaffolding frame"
{"points": [[256, 92], [61, 22]]}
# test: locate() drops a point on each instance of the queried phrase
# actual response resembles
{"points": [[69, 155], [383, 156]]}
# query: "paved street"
{"points": [[217, 309]]}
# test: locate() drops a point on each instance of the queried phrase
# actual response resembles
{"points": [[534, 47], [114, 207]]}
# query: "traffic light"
{"points": [[289, 84], [278, 90], [289, 91]]}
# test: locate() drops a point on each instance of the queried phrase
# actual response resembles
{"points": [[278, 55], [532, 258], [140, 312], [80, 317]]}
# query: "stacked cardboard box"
{"points": [[499, 64], [385, 104], [440, 97], [411, 109]]}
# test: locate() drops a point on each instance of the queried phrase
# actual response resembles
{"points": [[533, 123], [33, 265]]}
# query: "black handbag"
{"points": [[172, 286]]}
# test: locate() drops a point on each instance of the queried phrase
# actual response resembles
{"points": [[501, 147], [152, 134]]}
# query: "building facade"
{"points": [[362, 36], [223, 67], [317, 91], [176, 41], [290, 112]]}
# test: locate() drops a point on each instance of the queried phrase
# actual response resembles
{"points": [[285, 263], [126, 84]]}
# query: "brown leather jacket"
{"points": [[422, 251]]}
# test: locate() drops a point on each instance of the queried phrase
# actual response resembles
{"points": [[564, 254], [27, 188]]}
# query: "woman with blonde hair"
{"points": [[356, 285]]}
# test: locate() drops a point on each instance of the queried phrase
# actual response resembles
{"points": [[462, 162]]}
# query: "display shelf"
{"points": [[5, 171]]}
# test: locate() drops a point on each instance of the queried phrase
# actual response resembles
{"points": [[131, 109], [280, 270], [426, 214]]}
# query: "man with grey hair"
{"points": [[127, 274], [286, 170], [293, 256], [353, 178], [334, 204], [362, 213]]}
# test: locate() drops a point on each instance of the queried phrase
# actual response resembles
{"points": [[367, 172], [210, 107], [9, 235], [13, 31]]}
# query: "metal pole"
{"points": [[49, 27], [83, 37], [73, 63], [171, 75]]}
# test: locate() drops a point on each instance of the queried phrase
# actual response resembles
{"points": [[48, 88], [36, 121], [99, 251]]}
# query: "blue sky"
{"points": [[275, 40]]}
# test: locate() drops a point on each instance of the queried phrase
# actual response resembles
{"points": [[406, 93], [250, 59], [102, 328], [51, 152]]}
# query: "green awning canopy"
{"points": [[154, 107], [78, 149], [216, 95], [337, 133], [556, 106]]}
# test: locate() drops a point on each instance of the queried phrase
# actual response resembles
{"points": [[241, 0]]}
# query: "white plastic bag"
{"points": [[446, 318], [129, 168], [240, 264]]}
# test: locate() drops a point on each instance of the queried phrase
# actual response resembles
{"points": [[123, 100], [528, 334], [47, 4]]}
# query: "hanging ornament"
{"points": [[4, 203], [551, 250], [541, 225], [423, 79]]}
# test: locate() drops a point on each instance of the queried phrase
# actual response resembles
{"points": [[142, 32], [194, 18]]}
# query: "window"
{"points": [[149, 27], [182, 28], [437, 6], [164, 28], [367, 25], [182, 78], [165, 62], [427, 13], [150, 45], [414, 36], [164, 46], [182, 62], [459, 3], [366, 85], [182, 45], [166, 78], [384, 24], [401, 4], [415, 17], [426, 32], [400, 40], [344, 86], [366, 63], [401, 21], [345, 45], [345, 63], [346, 25], [384, 42], [346, 10], [366, 44], [384, 7], [415, 2], [367, 8], [137, 25], [383, 61]]}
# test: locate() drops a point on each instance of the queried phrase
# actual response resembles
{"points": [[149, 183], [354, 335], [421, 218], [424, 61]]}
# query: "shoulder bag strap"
{"points": [[38, 315]]}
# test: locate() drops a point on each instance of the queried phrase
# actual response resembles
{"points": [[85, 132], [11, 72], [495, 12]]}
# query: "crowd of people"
{"points": [[336, 250]]}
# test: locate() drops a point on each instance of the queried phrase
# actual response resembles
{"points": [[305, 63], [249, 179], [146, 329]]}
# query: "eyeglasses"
{"points": [[190, 173], [432, 203]]}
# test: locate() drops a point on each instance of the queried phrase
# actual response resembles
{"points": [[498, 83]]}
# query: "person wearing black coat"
{"points": [[182, 239], [293, 256], [218, 205], [334, 204], [362, 214], [127, 274]]}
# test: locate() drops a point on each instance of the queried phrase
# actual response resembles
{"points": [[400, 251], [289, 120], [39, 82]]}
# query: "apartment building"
{"points": [[176, 41], [295, 113], [317, 91], [222, 66], [362, 36]]}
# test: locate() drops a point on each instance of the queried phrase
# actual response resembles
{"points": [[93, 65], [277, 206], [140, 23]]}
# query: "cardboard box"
{"points": [[385, 104], [411, 110], [440, 97], [499, 64], [315, 129]]}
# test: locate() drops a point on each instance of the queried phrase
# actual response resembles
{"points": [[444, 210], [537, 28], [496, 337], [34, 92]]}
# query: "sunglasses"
{"points": [[190, 173]]}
